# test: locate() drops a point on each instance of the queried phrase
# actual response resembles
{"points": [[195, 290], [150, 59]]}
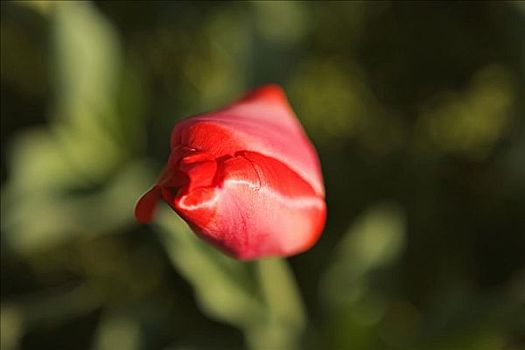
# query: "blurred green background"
{"points": [[417, 111]]}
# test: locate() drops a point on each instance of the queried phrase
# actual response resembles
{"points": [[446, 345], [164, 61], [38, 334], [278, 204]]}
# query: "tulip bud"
{"points": [[245, 178]]}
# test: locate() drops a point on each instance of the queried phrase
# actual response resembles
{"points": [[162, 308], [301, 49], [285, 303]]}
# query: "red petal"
{"points": [[271, 93], [261, 122], [200, 168], [258, 207], [146, 205]]}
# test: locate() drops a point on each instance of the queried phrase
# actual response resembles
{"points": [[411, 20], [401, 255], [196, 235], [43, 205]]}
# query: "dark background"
{"points": [[416, 109]]}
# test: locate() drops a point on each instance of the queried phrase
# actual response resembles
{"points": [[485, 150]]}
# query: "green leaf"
{"points": [[375, 240], [87, 71], [354, 307], [73, 178]]}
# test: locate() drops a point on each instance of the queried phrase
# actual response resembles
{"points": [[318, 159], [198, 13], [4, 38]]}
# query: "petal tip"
{"points": [[145, 207], [269, 92]]}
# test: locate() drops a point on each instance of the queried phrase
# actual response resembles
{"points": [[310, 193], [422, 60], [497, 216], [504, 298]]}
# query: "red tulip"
{"points": [[245, 178]]}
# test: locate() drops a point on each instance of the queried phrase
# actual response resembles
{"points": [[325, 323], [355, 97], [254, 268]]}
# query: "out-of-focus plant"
{"points": [[470, 123], [353, 304], [73, 178]]}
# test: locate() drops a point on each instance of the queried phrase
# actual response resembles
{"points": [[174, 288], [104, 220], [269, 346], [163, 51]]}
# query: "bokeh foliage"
{"points": [[418, 113]]}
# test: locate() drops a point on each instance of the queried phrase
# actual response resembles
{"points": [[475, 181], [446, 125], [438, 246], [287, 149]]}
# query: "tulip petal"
{"points": [[146, 205], [261, 122], [257, 207], [200, 168]]}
